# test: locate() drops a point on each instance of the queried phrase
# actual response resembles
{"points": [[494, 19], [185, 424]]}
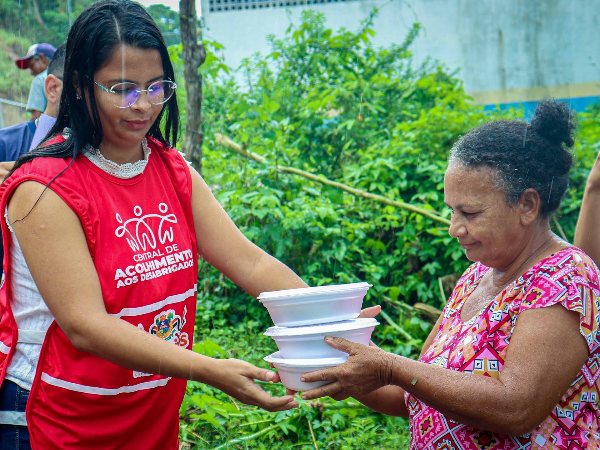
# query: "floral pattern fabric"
{"points": [[568, 277]]}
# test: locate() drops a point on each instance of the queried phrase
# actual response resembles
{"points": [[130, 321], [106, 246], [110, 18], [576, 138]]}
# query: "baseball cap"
{"points": [[36, 49]]}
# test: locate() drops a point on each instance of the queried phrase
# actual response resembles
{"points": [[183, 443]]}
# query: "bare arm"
{"points": [[528, 387], [5, 167], [587, 233], [56, 252], [390, 399], [224, 246]]}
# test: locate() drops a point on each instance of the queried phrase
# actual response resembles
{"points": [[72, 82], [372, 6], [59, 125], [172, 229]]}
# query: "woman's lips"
{"points": [[467, 246], [136, 124]]}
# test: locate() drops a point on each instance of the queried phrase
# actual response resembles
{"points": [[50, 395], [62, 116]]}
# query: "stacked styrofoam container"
{"points": [[303, 317]]}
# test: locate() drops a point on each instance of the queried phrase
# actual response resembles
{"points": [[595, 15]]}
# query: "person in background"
{"points": [[103, 226], [18, 139], [14, 141], [514, 360], [36, 60], [53, 90], [587, 232]]}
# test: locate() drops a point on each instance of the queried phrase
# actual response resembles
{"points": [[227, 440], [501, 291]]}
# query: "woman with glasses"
{"points": [[103, 225]]}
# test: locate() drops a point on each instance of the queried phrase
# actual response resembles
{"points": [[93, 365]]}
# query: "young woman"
{"points": [[103, 226]]}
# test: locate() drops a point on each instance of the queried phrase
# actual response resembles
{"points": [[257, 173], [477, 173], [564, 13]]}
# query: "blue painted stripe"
{"points": [[578, 104]]}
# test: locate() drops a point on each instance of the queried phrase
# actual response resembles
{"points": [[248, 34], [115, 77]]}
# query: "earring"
{"points": [[78, 96]]}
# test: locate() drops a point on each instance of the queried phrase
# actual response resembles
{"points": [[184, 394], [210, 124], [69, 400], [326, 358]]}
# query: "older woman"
{"points": [[514, 360]]}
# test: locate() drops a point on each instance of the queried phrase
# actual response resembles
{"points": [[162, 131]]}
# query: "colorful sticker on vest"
{"points": [[167, 325]]}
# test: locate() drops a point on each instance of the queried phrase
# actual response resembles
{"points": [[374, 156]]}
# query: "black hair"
{"points": [[525, 155], [92, 39], [57, 65]]}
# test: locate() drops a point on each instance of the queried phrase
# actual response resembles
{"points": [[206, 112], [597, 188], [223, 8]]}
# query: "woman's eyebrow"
{"points": [[125, 80]]}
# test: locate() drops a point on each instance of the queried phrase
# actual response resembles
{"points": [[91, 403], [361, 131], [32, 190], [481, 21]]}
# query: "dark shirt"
{"points": [[15, 140]]}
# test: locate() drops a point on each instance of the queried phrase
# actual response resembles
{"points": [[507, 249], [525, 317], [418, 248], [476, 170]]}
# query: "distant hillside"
{"points": [[14, 83]]}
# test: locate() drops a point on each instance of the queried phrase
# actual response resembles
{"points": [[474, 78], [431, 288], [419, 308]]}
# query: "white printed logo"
{"points": [[147, 235], [138, 232]]}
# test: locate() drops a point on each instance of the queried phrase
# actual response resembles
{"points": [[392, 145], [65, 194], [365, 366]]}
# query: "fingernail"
{"points": [[302, 379], [303, 397], [270, 376], [328, 338]]}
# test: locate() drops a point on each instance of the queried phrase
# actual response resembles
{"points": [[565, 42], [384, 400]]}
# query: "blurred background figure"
{"points": [[18, 139], [37, 59]]}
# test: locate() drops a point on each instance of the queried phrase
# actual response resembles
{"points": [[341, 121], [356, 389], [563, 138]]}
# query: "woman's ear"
{"points": [[52, 88], [529, 205]]}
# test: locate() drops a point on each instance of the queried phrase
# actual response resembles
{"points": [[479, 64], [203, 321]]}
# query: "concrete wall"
{"points": [[508, 51]]}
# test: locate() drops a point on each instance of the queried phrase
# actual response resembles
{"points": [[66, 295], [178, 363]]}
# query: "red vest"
{"points": [[140, 234]]}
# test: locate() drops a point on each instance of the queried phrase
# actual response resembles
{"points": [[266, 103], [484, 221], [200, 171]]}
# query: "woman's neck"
{"points": [[542, 244], [122, 155]]}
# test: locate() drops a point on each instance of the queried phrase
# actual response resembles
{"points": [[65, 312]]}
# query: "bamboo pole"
{"points": [[231, 145]]}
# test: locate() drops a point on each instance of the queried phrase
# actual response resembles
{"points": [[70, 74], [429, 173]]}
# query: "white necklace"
{"points": [[123, 171]]}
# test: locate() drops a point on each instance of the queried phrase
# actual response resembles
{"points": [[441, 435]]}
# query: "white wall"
{"points": [[507, 50]]}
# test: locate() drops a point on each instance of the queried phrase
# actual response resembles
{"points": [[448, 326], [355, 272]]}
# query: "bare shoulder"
{"points": [[37, 203]]}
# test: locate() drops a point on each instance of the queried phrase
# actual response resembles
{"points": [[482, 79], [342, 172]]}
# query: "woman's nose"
{"points": [[457, 227], [142, 103]]}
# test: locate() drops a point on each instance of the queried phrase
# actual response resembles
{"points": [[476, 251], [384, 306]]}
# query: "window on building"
{"points": [[236, 5]]}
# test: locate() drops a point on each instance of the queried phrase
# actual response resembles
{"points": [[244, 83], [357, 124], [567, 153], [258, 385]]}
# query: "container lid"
{"points": [[276, 358], [302, 292], [332, 327]]}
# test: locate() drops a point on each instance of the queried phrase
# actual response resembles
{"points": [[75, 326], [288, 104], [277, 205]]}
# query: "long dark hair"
{"points": [[92, 39]]}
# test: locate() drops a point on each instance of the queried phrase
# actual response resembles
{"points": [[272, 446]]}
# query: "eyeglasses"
{"points": [[126, 94]]}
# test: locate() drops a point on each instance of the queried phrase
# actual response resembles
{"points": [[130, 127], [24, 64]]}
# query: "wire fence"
{"points": [[5, 101]]}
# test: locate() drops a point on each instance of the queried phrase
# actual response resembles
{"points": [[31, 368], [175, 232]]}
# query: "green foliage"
{"points": [[587, 146], [14, 84], [40, 20], [168, 22], [331, 104], [371, 118], [210, 419]]}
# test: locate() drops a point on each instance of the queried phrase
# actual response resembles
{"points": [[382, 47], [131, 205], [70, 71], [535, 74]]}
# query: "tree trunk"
{"points": [[38, 16], [194, 55]]}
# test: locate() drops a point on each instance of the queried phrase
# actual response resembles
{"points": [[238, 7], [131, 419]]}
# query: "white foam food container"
{"points": [[314, 305], [309, 342], [290, 370]]}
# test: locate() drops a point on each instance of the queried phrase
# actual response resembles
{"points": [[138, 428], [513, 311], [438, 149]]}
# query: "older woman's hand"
{"points": [[368, 368], [369, 312], [366, 313]]}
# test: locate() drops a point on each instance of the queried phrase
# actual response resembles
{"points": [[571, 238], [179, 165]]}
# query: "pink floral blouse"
{"points": [[568, 277]]}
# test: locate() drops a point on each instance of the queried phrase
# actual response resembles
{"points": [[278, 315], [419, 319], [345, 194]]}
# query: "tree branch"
{"points": [[226, 142]]}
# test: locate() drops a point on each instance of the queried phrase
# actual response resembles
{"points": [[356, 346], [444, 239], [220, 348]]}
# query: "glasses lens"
{"points": [[126, 94], [160, 92]]}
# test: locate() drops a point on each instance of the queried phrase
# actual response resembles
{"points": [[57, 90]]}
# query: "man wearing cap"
{"points": [[36, 60], [18, 139]]}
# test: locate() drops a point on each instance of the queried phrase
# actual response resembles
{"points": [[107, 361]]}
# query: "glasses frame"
{"points": [[111, 91]]}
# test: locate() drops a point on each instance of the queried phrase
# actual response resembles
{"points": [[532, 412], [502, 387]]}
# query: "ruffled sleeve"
{"points": [[570, 278]]}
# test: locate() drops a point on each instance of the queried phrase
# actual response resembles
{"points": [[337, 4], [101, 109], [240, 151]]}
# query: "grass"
{"points": [[211, 419]]}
